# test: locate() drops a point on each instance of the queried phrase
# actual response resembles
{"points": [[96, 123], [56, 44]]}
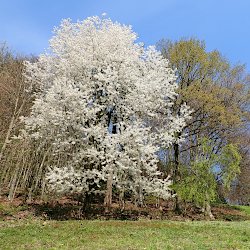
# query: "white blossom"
{"points": [[98, 93]]}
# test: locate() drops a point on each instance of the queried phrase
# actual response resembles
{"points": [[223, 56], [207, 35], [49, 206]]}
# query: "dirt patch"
{"points": [[69, 208], [228, 213]]}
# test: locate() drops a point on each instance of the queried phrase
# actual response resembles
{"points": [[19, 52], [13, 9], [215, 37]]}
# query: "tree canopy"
{"points": [[96, 93]]}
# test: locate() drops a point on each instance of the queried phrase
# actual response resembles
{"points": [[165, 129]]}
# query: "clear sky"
{"points": [[26, 25]]}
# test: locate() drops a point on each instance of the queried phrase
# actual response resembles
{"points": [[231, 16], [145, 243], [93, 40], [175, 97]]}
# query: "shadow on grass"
{"points": [[77, 212]]}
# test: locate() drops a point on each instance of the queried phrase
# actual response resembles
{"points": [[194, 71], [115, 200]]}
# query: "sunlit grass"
{"points": [[245, 209], [27, 234]]}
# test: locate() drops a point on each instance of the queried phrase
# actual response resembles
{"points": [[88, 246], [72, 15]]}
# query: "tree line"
{"points": [[102, 115]]}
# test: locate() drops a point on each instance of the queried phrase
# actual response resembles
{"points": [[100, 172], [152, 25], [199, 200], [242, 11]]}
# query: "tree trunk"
{"points": [[207, 209], [121, 200], [139, 197], [11, 125], [108, 196], [176, 175], [16, 114], [86, 203]]}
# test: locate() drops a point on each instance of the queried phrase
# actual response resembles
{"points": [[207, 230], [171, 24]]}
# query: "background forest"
{"points": [[207, 159]]}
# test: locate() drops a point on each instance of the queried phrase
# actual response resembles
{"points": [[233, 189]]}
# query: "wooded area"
{"points": [[104, 118]]}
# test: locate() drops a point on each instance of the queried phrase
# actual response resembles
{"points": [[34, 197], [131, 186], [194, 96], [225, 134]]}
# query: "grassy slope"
{"points": [[245, 209], [37, 234]]}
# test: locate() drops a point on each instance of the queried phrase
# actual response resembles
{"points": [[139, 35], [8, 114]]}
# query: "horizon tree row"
{"points": [[102, 113]]}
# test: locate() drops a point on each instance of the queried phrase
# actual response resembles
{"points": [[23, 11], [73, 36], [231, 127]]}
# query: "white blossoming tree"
{"points": [[98, 92]]}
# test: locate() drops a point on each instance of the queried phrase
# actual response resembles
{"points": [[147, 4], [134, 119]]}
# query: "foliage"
{"points": [[216, 91], [219, 96], [198, 183], [240, 188], [229, 161], [106, 109]]}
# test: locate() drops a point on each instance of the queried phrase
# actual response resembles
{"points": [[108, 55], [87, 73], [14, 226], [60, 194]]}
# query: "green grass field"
{"points": [[38, 234]]}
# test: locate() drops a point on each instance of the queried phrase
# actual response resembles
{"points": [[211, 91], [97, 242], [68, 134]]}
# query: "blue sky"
{"points": [[26, 25]]}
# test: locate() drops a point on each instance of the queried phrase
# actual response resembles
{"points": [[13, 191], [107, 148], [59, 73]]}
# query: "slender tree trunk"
{"points": [[176, 163], [13, 186], [86, 203], [139, 197], [11, 125], [207, 209], [16, 113], [176, 174], [108, 196], [121, 199]]}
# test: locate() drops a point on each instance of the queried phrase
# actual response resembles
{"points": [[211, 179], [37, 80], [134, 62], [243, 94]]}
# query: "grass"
{"points": [[245, 209], [21, 229], [38, 234]]}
